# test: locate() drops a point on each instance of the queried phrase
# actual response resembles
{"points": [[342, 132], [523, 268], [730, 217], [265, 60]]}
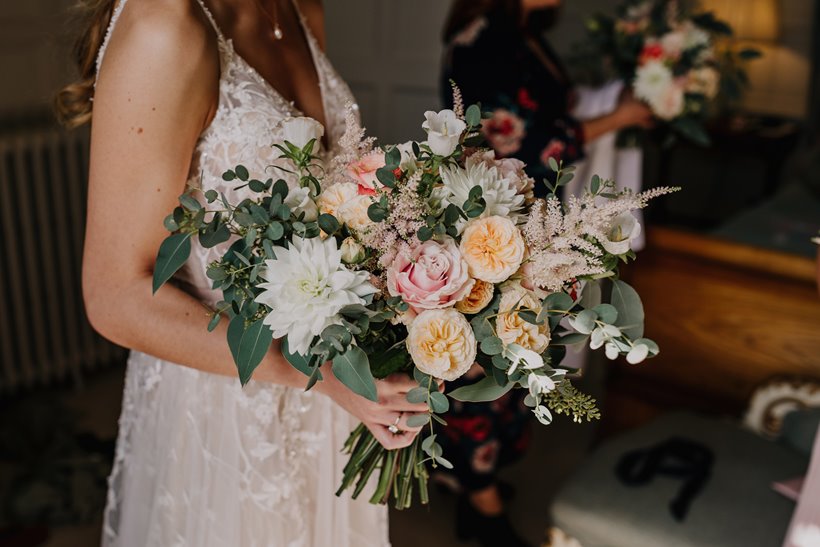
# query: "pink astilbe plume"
{"points": [[458, 101], [352, 145]]}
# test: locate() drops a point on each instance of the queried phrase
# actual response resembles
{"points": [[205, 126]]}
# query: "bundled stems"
{"points": [[399, 471]]}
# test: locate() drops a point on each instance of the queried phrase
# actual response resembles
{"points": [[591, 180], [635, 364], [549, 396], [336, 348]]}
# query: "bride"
{"points": [[183, 90]]}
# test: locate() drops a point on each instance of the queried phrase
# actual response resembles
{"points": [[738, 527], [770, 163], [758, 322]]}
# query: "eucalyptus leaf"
{"points": [[352, 368], [418, 420], [173, 253], [492, 345], [299, 362], [630, 309], [253, 346], [485, 390], [417, 395], [439, 402]]}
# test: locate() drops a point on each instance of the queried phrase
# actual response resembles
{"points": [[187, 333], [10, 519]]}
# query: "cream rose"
{"points": [[335, 196], [354, 212], [493, 248], [480, 295], [514, 330], [442, 344]]}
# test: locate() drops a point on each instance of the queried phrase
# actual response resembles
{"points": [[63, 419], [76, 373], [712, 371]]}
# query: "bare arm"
{"points": [[156, 92], [629, 112]]}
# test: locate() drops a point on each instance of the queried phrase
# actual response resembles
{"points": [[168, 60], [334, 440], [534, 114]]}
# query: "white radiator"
{"points": [[44, 334]]}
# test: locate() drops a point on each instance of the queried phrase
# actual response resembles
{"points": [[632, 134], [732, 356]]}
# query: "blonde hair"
{"points": [[73, 103]]}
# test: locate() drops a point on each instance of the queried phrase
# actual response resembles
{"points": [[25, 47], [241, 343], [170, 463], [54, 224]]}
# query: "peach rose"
{"points": [[477, 300], [514, 330], [429, 276], [363, 171], [354, 212], [493, 248], [333, 197], [442, 344]]}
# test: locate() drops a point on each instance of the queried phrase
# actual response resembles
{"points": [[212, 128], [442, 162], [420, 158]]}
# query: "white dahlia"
{"points": [[307, 285], [499, 192]]}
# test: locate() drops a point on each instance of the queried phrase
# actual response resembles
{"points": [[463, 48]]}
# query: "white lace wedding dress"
{"points": [[201, 462]]}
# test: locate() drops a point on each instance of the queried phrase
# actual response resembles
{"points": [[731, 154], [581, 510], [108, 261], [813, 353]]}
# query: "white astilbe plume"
{"points": [[565, 241]]}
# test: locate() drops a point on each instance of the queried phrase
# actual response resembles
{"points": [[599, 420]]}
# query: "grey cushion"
{"points": [[799, 429], [737, 507]]}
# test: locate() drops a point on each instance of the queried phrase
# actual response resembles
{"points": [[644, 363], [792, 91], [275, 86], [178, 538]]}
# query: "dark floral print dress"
{"points": [[529, 96], [521, 81]]}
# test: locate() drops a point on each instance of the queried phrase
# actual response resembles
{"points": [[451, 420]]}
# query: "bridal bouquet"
{"points": [[423, 258], [673, 57]]}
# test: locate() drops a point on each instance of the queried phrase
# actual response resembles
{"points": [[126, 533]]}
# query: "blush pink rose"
{"points": [[363, 172], [429, 276]]}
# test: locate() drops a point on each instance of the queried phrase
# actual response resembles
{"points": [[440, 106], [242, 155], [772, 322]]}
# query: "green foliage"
{"points": [[629, 307], [566, 399], [352, 368], [485, 390], [173, 252]]}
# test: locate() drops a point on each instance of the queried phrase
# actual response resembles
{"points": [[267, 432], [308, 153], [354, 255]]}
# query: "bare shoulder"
{"points": [[314, 13], [173, 33]]}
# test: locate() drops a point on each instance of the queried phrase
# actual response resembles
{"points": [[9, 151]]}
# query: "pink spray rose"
{"points": [[429, 276], [363, 172]]}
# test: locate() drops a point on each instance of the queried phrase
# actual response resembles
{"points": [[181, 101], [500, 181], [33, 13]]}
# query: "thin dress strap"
{"points": [[111, 24], [211, 19]]}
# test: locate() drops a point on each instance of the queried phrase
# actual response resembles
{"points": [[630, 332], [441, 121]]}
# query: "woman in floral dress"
{"points": [[497, 56]]}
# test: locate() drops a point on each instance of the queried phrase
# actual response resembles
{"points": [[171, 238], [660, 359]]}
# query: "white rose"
{"points": [[352, 251], [300, 131], [444, 130], [624, 228], [670, 104], [354, 212], [301, 201], [673, 43]]}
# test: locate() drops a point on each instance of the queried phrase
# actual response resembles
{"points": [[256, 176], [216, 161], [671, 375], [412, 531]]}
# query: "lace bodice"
{"points": [[247, 122]]}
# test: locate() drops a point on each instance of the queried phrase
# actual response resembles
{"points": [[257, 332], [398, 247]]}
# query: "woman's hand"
{"points": [[392, 409], [634, 113]]}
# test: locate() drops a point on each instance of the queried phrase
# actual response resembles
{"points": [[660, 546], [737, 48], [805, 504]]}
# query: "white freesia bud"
{"points": [[301, 201], [444, 130], [539, 384], [299, 131], [637, 354], [543, 414], [523, 357], [352, 251], [624, 228], [612, 351]]}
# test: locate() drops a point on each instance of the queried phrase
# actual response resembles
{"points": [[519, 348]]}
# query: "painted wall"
{"points": [[388, 49]]}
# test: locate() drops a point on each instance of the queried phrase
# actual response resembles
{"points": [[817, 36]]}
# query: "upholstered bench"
{"points": [[734, 504]]}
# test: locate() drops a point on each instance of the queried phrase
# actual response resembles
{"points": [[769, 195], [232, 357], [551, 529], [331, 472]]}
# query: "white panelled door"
{"points": [[389, 51]]}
